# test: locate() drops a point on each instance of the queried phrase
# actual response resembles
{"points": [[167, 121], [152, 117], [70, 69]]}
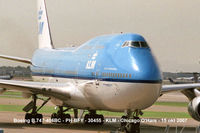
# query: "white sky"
{"points": [[171, 27]]}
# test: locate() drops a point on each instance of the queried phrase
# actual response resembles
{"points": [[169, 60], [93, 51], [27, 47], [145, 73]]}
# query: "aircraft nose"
{"points": [[145, 66]]}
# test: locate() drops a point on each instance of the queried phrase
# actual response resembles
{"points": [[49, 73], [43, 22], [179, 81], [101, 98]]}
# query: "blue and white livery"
{"points": [[115, 72]]}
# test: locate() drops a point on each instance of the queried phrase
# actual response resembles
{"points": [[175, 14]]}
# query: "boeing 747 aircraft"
{"points": [[115, 72]]}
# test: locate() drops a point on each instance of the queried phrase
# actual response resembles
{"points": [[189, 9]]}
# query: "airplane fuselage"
{"points": [[118, 77]]}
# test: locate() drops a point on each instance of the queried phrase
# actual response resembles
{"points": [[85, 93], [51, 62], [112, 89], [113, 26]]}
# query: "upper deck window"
{"points": [[135, 44]]}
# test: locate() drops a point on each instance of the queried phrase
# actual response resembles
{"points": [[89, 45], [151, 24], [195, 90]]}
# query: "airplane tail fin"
{"points": [[44, 33]]}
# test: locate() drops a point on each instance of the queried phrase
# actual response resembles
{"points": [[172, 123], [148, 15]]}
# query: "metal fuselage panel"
{"points": [[128, 78]]}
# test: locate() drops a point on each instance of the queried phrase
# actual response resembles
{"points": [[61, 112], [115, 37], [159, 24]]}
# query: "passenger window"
{"points": [[123, 75], [126, 75], [129, 75]]}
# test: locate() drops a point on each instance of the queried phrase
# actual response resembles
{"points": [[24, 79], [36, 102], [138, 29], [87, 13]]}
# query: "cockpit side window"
{"points": [[125, 44], [135, 44]]}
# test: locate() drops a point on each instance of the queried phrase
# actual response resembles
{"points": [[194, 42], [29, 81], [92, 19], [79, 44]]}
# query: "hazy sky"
{"points": [[172, 27]]}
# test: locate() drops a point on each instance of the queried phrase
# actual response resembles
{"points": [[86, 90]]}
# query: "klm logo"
{"points": [[41, 24], [91, 63]]}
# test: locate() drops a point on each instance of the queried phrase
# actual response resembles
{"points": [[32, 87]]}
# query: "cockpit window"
{"points": [[144, 45], [135, 44]]}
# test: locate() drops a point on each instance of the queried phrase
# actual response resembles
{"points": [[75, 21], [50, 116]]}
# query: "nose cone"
{"points": [[144, 66]]}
